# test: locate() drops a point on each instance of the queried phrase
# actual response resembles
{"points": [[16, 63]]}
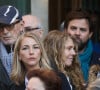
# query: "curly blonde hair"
{"points": [[74, 71], [57, 39]]}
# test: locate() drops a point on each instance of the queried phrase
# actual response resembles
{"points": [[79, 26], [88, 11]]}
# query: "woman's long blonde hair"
{"points": [[54, 44], [74, 71], [18, 68]]}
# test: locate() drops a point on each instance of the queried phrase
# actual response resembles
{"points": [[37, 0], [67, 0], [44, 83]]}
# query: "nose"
{"points": [[73, 52], [31, 51], [5, 30], [77, 32]]}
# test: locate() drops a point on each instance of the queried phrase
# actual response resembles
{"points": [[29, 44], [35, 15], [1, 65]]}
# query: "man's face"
{"points": [[32, 24], [79, 29], [9, 33]]}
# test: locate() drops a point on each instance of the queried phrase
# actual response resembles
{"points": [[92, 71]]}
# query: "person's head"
{"points": [[33, 24], [50, 45], [78, 24], [64, 54], [67, 58], [40, 79], [60, 47], [10, 24], [66, 51], [29, 54]]}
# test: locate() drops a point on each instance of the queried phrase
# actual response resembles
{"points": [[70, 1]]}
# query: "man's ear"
{"points": [[41, 33], [22, 22], [22, 25], [65, 30], [90, 35]]}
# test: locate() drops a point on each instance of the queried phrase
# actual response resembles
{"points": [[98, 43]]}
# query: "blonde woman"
{"points": [[68, 61], [29, 54], [64, 55]]}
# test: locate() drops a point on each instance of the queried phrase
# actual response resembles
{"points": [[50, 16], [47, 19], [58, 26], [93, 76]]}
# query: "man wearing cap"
{"points": [[33, 24], [11, 25]]}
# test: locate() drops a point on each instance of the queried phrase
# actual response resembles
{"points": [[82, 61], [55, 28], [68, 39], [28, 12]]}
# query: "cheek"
{"points": [[23, 55], [17, 30], [66, 59], [0, 34], [38, 54], [85, 38], [65, 53], [14, 34]]}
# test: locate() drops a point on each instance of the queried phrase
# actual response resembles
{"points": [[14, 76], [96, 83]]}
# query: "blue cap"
{"points": [[9, 14]]}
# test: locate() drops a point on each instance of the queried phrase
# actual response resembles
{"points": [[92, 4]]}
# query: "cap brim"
{"points": [[4, 21]]}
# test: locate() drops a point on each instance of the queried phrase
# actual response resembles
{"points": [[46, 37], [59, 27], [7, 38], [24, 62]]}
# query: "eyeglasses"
{"points": [[8, 27], [27, 29]]}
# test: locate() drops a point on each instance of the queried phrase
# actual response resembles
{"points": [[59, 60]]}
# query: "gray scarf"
{"points": [[6, 58]]}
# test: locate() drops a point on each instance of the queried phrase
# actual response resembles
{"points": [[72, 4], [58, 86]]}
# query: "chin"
{"points": [[68, 64]]}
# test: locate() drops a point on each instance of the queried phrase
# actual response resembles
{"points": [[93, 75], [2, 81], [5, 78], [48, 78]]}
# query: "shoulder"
{"points": [[65, 83], [4, 78], [96, 54], [3, 86], [95, 58], [96, 47], [61, 75], [18, 87]]}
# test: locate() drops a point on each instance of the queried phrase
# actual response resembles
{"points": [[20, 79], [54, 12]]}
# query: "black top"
{"points": [[65, 83]]}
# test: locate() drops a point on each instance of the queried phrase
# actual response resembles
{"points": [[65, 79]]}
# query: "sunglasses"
{"points": [[8, 27], [31, 29]]}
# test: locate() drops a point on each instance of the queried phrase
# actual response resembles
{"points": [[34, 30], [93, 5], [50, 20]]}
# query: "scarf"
{"points": [[6, 58], [85, 58]]}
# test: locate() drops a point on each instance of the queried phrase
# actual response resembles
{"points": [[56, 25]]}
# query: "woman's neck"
{"points": [[29, 68]]}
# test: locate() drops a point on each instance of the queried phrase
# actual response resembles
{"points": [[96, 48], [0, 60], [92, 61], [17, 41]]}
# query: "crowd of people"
{"points": [[62, 60]]}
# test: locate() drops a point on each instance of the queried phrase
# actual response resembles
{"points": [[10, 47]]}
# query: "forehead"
{"points": [[28, 40], [69, 41], [36, 83], [30, 21], [79, 22]]}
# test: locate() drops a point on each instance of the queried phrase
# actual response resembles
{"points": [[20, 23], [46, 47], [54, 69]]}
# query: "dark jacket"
{"points": [[16, 87], [5, 82], [95, 58], [65, 83]]}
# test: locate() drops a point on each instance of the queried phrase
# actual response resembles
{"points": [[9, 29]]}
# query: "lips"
{"points": [[7, 38], [31, 58], [71, 59]]}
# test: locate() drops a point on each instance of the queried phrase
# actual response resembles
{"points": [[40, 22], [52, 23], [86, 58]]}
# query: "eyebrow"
{"points": [[30, 28], [32, 45]]}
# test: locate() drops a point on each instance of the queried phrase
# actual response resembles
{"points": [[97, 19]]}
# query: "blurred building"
{"points": [[52, 12]]}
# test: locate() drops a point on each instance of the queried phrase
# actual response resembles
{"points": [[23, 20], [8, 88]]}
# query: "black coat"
{"points": [[65, 83], [95, 54], [95, 58], [5, 82]]}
